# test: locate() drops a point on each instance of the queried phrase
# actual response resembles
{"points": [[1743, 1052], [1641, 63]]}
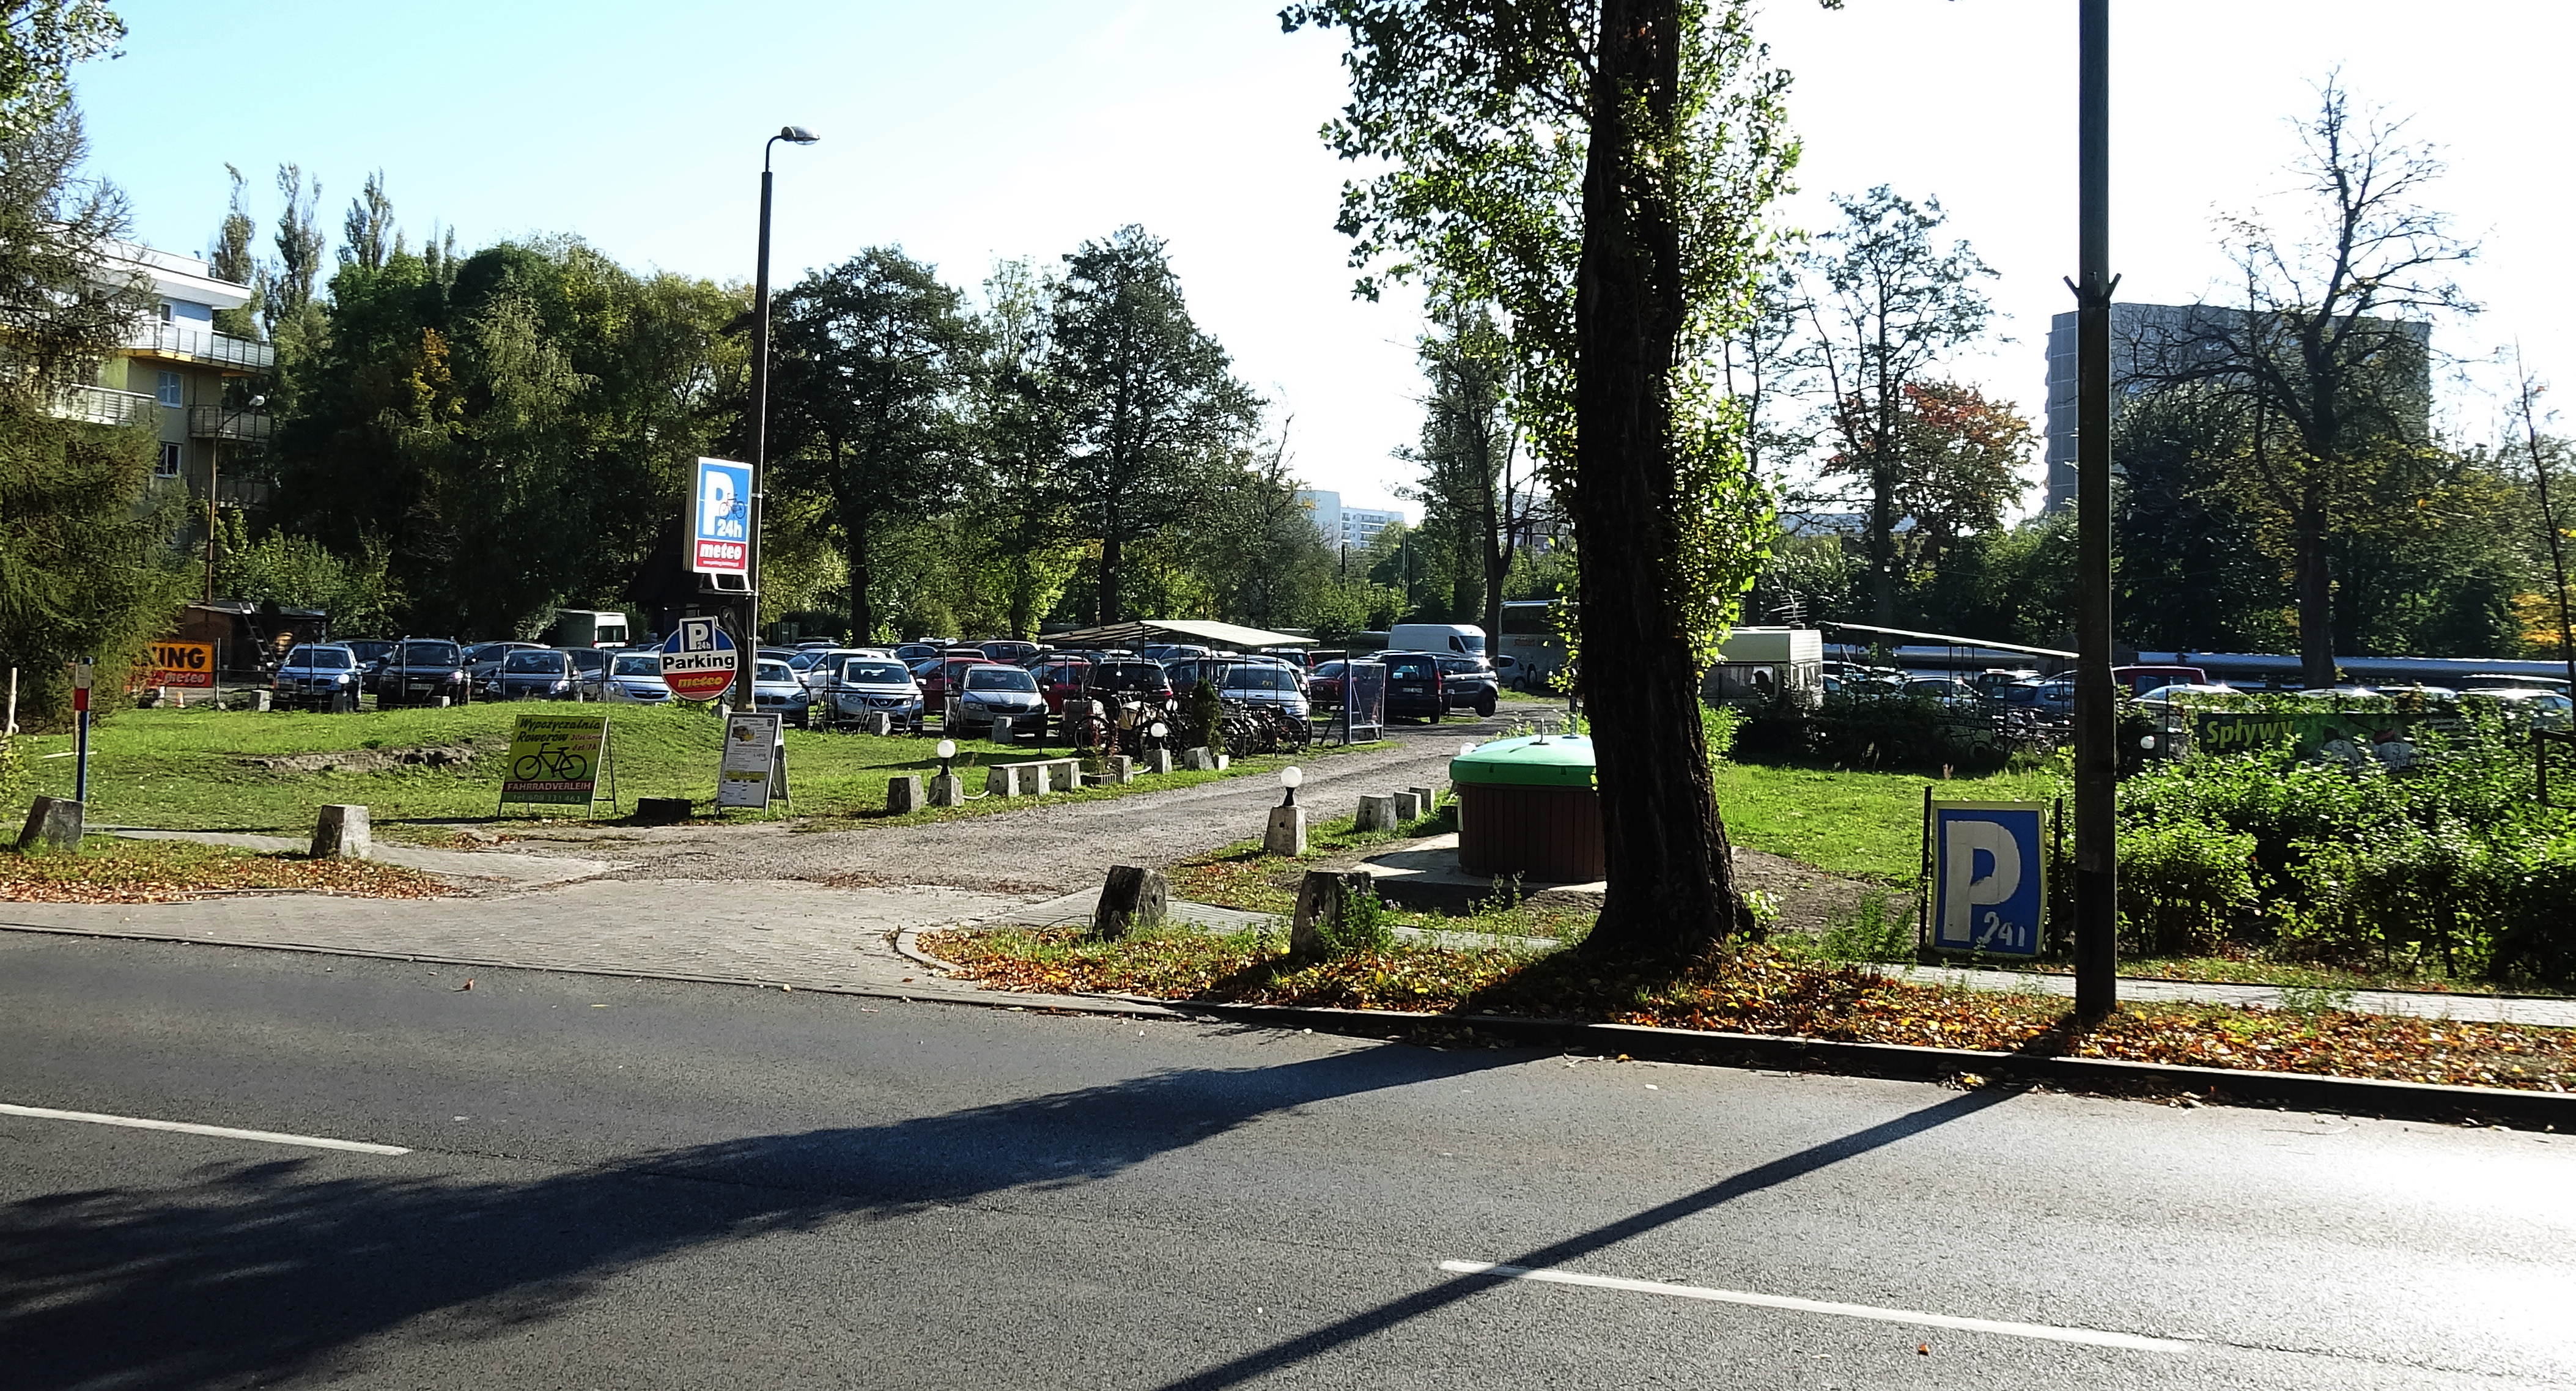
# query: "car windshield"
{"points": [[549, 663], [772, 671], [430, 654], [321, 659], [642, 664], [1127, 676], [1408, 668], [999, 679], [1259, 679], [875, 674]]}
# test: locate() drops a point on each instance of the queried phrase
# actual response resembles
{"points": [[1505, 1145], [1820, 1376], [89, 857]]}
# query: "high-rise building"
{"points": [[1354, 527]]}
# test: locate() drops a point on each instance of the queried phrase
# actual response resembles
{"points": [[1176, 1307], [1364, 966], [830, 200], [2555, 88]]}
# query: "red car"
{"points": [[1060, 678], [939, 679], [1324, 684]]}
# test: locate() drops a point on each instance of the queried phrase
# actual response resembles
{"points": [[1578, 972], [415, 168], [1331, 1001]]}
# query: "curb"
{"points": [[2363, 1096]]}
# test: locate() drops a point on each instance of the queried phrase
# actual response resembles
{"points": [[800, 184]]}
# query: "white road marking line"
{"points": [[222, 1132], [2048, 1332]]}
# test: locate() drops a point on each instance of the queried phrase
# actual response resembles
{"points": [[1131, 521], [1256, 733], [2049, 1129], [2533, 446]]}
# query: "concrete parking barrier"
{"points": [[1377, 812], [1158, 760], [1132, 897], [1198, 760], [1408, 806], [342, 832], [53, 822], [948, 791], [903, 794]]}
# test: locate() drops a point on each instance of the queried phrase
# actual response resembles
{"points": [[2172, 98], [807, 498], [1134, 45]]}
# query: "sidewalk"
{"points": [[2483, 1009]]}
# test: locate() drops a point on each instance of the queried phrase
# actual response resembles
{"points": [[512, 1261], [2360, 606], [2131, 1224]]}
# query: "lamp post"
{"points": [[2096, 763], [750, 627]]}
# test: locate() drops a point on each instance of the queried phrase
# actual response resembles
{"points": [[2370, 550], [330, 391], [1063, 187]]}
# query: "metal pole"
{"points": [[214, 460], [2096, 714], [746, 637]]}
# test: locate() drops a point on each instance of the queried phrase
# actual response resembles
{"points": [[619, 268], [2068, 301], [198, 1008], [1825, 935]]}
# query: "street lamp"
{"points": [[1289, 777], [793, 135], [947, 750]]}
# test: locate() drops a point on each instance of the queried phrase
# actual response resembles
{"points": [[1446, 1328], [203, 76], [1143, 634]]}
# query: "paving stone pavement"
{"points": [[2489, 1009]]}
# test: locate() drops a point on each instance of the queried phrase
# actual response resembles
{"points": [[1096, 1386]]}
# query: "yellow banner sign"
{"points": [[555, 758], [181, 664]]}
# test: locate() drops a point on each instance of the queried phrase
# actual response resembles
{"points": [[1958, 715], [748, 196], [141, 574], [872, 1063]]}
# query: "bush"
{"points": [[2184, 887], [1719, 724]]}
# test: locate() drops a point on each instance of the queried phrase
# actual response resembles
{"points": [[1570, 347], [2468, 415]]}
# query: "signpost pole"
{"points": [[750, 628], [83, 673]]}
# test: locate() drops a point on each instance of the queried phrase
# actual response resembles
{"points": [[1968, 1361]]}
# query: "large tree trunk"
{"points": [[1671, 892], [2315, 581], [1882, 545], [863, 610], [1109, 560]]}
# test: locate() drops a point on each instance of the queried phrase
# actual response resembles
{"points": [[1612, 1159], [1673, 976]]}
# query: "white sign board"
{"points": [[754, 768]]}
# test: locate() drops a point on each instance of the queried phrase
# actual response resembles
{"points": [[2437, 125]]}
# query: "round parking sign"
{"points": [[698, 659]]}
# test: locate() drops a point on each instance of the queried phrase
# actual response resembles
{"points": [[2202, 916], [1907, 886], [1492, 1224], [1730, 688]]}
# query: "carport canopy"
{"points": [[1199, 630]]}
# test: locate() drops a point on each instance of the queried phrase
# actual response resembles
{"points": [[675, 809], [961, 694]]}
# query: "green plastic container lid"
{"points": [[1544, 760]]}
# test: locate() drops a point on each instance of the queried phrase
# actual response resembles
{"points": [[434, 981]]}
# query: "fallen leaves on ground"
{"points": [[1760, 991], [117, 871]]}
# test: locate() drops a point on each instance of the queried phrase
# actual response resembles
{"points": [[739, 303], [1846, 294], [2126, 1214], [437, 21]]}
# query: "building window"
{"points": [[172, 392], [165, 311], [168, 467]]}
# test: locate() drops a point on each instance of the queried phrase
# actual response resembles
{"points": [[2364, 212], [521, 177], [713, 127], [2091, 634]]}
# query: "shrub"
{"points": [[1719, 724], [2184, 887]]}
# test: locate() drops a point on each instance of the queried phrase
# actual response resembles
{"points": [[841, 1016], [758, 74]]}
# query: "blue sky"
{"points": [[1011, 129]]}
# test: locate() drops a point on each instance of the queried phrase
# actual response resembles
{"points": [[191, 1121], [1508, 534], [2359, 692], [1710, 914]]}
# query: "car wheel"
{"points": [[1485, 708]]}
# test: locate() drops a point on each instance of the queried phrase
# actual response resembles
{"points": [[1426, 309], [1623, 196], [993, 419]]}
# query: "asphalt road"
{"points": [[620, 1183]]}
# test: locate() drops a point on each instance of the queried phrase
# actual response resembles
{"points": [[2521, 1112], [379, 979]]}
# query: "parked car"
{"points": [[2538, 709], [319, 676], [632, 678], [1324, 683], [541, 673], [939, 677], [867, 685], [1061, 678], [420, 671], [1413, 686], [483, 660], [1263, 683], [1169, 652], [1128, 679], [911, 652], [2146, 678], [1994, 679], [371, 654], [2186, 690], [1008, 650], [817, 666], [588, 665], [776, 691], [989, 690], [1945, 690], [1467, 683]]}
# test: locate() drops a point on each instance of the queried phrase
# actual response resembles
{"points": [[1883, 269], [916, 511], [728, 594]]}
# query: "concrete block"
{"points": [[1287, 832], [903, 794], [1004, 729], [1158, 760], [1222, 760], [1321, 896], [876, 722], [1132, 897], [262, 699], [52, 822], [1430, 798], [1377, 812], [1408, 805], [1120, 770], [949, 791], [1198, 760], [1007, 780], [341, 832]]}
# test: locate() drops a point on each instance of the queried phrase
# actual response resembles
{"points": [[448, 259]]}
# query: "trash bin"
{"points": [[1529, 807]]}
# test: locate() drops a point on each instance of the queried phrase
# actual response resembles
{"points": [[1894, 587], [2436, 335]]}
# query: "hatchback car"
{"points": [[539, 674], [421, 671], [319, 676], [1413, 686], [991, 691], [483, 660], [872, 685], [1263, 683], [1468, 684], [632, 678]]}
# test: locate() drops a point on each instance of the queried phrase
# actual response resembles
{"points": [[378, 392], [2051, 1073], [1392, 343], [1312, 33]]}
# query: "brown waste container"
{"points": [[1529, 807]]}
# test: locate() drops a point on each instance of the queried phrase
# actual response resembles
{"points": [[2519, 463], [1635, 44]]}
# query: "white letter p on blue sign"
{"points": [[1988, 864]]}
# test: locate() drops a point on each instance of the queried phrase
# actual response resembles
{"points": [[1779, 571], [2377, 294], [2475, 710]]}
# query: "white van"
{"points": [[1436, 637]]}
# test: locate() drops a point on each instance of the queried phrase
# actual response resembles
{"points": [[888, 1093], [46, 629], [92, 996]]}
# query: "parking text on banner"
{"points": [[1989, 876], [181, 664]]}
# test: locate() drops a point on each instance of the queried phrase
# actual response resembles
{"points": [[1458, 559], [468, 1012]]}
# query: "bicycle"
{"points": [[551, 762]]}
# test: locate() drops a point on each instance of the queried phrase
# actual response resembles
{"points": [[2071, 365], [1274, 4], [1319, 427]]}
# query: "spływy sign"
{"points": [[1989, 872], [720, 519], [698, 659], [182, 664]]}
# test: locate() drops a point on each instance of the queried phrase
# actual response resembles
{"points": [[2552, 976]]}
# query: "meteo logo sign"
{"points": [[697, 661], [721, 518]]}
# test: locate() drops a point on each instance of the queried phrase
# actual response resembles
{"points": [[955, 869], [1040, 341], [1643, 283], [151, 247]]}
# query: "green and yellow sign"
{"points": [[555, 758]]}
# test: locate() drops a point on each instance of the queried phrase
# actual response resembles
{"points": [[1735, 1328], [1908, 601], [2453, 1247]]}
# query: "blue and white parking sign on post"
{"points": [[1989, 876], [720, 518]]}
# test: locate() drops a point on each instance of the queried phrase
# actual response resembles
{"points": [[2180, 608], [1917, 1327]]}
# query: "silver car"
{"points": [[872, 685], [630, 678], [996, 691]]}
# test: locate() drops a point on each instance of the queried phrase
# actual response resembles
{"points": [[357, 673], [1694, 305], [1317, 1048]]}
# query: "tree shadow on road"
{"points": [[249, 1271]]}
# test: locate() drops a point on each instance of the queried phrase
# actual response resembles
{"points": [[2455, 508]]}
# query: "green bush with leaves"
{"points": [[2185, 887]]}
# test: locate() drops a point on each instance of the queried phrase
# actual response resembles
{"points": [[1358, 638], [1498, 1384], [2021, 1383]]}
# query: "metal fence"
{"points": [[204, 345], [101, 405]]}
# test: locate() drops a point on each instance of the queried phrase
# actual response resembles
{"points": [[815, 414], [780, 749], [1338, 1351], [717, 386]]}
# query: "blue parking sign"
{"points": [[720, 518], [1989, 876]]}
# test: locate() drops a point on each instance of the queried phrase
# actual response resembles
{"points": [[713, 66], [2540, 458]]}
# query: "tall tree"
{"points": [[1150, 402], [1017, 500], [1473, 483], [231, 258], [2325, 353], [1891, 303], [1485, 112], [368, 234], [872, 355], [1963, 456], [39, 42]]}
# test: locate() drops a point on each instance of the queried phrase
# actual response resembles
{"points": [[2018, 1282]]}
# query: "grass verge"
{"points": [[205, 769], [1760, 990], [1243, 876], [106, 870]]}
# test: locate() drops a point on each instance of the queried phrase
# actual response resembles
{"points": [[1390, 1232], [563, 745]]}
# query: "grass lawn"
{"points": [[1868, 825], [108, 870], [203, 769]]}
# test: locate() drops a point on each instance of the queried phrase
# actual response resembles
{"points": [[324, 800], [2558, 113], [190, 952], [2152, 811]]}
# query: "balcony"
{"points": [[199, 346], [224, 423], [101, 405]]}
